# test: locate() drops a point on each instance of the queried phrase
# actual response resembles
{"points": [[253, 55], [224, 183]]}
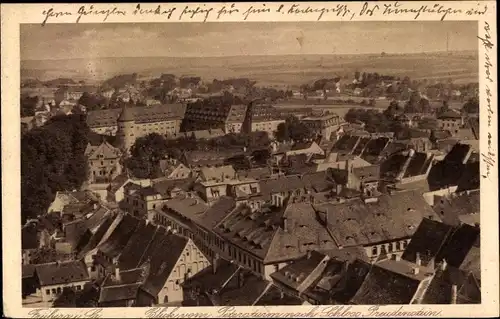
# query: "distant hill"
{"points": [[272, 70]]}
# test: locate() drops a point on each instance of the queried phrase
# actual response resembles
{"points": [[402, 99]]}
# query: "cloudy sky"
{"points": [[64, 41]]}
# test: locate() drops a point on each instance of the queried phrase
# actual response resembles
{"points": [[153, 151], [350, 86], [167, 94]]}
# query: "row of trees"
{"points": [[52, 159]]}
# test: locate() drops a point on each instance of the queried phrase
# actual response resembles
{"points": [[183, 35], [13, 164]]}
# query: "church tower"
{"points": [[126, 134]]}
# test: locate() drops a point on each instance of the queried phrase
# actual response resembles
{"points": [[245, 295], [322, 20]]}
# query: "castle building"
{"points": [[202, 117], [135, 122], [262, 118]]}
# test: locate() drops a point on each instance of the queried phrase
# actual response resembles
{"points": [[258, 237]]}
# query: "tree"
{"points": [[28, 105], [52, 160], [471, 106], [293, 130], [146, 154]]}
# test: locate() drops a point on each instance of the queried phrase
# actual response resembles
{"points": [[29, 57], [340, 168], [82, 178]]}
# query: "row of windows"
{"points": [[390, 247], [58, 290]]}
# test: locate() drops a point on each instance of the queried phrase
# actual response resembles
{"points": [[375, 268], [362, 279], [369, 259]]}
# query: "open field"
{"points": [[289, 70]]}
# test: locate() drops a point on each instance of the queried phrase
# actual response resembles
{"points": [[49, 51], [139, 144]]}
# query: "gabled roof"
{"points": [[136, 246], [390, 282], [339, 282], [217, 173], [162, 257], [104, 149], [154, 113], [118, 239], [394, 216], [450, 114], [216, 213], [61, 272]]}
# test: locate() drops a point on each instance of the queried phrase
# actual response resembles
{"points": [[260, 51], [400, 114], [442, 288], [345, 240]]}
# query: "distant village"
{"points": [[227, 193]]}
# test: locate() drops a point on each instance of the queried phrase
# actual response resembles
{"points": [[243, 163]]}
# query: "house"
{"points": [[140, 201], [226, 284], [116, 188], [27, 123], [65, 198], [103, 161], [215, 182], [51, 278], [195, 160], [308, 148], [364, 179], [407, 166], [364, 222], [394, 281], [324, 124], [453, 252], [450, 120]]}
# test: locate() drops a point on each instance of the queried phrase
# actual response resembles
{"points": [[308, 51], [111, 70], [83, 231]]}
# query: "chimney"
{"points": [[309, 254], [397, 257], [453, 294], [432, 263], [215, 262], [241, 279], [117, 274], [285, 224], [415, 270], [95, 206], [444, 264], [418, 261]]}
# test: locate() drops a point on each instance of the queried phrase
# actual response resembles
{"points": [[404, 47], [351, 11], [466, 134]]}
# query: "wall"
{"points": [[429, 196], [105, 130], [55, 290], [104, 168], [191, 262]]}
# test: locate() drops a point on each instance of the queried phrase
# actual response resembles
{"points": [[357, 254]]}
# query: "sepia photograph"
{"points": [[250, 164]]}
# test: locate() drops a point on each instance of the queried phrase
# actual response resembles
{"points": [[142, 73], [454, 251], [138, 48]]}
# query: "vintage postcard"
{"points": [[205, 160]]}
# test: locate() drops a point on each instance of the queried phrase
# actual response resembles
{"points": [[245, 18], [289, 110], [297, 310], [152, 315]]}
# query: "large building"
{"points": [[229, 118], [262, 118], [104, 162], [135, 122], [103, 121], [324, 124]]}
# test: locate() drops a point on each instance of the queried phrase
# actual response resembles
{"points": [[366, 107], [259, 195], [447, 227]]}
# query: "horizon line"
{"points": [[257, 55]]}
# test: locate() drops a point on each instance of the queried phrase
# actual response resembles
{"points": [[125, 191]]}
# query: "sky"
{"points": [[67, 41]]}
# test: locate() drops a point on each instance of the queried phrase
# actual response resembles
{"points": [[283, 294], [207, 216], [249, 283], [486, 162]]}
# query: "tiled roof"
{"points": [[28, 271], [458, 245], [450, 114], [251, 288], [61, 272], [236, 114], [214, 215], [274, 297], [465, 203], [136, 246], [119, 293], [295, 273], [162, 257], [389, 282], [115, 243], [339, 282], [97, 236], [427, 241], [391, 217], [100, 118], [217, 173], [105, 149], [188, 207], [154, 113], [167, 185]]}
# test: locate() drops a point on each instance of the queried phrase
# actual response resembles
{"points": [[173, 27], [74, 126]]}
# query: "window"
{"points": [[47, 291], [374, 251], [53, 291]]}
